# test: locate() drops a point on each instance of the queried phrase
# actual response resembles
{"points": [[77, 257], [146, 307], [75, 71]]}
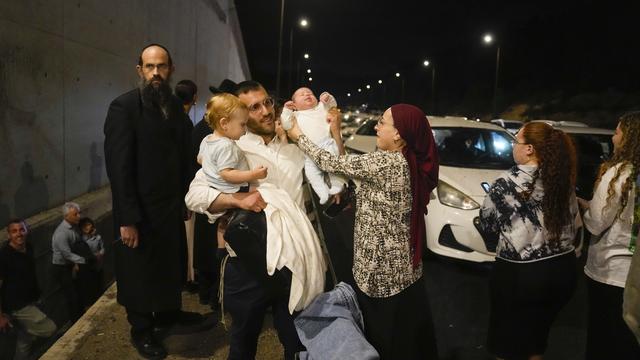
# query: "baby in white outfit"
{"points": [[311, 115]]}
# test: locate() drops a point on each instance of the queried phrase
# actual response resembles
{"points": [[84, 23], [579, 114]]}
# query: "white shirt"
{"points": [[284, 163], [609, 255]]}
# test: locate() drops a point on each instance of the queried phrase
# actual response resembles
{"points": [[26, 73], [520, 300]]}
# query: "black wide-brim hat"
{"points": [[226, 86]]}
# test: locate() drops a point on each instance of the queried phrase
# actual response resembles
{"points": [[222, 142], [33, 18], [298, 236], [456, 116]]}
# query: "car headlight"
{"points": [[450, 196]]}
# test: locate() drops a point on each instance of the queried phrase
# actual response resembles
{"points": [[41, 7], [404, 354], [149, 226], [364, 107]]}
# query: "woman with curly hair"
{"points": [[609, 216], [532, 207]]}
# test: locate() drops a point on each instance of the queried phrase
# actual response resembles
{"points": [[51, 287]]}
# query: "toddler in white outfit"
{"points": [[223, 163], [311, 115]]}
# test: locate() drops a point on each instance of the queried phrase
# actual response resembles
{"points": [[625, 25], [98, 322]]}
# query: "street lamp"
{"points": [[402, 85], [379, 81], [303, 23], [488, 39], [308, 71], [359, 89], [306, 57], [426, 64], [348, 94], [368, 87], [310, 79], [280, 48]]}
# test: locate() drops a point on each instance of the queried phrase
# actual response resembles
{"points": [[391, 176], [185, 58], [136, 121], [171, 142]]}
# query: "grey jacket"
{"points": [[331, 327]]}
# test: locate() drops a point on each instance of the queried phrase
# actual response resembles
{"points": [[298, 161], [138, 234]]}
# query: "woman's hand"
{"points": [[583, 204], [335, 120], [295, 132]]}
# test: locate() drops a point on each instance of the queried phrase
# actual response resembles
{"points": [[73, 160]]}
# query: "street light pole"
{"points": [[426, 63], [488, 39], [433, 88], [495, 84], [290, 58], [303, 24], [280, 48]]}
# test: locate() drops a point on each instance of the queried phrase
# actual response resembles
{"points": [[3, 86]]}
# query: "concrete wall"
{"points": [[61, 64]]}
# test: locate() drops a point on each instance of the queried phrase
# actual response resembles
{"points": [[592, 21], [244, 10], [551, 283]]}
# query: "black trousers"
{"points": [[205, 261], [608, 336], [525, 299], [89, 281], [400, 326], [62, 275], [247, 301]]}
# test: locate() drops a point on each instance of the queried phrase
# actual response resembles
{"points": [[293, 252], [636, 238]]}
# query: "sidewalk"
{"points": [[103, 333]]}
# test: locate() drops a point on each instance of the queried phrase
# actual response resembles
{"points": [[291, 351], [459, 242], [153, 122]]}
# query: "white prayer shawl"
{"points": [[292, 242]]}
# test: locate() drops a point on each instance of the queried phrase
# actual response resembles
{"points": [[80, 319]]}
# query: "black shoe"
{"points": [[148, 347]]}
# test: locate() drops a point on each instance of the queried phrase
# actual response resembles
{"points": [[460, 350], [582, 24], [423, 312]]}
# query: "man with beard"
{"points": [[147, 152], [246, 298]]}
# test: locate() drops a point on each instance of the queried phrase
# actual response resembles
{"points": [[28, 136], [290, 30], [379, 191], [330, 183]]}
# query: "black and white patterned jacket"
{"points": [[520, 223]]}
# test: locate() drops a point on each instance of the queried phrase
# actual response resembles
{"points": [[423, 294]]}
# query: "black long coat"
{"points": [[147, 159], [204, 234]]}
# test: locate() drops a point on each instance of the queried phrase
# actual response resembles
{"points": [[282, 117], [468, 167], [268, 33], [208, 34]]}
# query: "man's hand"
{"points": [[129, 235], [5, 323], [252, 202]]}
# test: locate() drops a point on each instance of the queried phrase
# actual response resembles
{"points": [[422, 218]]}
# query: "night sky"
{"points": [[548, 49]]}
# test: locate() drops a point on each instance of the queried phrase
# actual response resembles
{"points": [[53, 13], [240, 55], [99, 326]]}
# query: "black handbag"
{"points": [[247, 235]]}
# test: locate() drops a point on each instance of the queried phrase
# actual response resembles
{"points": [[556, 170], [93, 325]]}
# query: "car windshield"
{"points": [[368, 128], [474, 148], [591, 150], [512, 125]]}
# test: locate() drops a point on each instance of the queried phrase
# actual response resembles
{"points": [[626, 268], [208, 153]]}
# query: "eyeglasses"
{"points": [[267, 103], [151, 67], [380, 122], [514, 142]]}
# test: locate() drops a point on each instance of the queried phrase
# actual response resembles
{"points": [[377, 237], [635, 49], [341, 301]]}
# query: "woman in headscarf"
{"points": [[389, 229]]}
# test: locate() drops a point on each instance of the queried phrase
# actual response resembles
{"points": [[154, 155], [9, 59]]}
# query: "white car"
{"points": [[472, 155], [593, 146], [512, 126]]}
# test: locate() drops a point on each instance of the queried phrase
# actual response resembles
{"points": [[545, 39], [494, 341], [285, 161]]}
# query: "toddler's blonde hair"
{"points": [[222, 106]]}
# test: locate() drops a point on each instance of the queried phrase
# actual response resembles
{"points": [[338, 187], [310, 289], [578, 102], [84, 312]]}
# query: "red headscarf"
{"points": [[422, 157]]}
